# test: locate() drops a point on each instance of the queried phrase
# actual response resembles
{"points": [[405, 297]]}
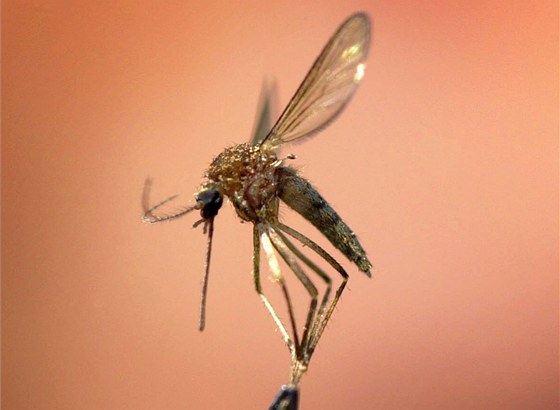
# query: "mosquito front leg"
{"points": [[284, 251], [257, 277]]}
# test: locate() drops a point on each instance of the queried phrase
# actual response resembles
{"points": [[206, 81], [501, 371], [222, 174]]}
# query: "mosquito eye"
{"points": [[211, 200]]}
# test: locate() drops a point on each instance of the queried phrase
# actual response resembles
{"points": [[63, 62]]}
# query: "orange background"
{"points": [[445, 164]]}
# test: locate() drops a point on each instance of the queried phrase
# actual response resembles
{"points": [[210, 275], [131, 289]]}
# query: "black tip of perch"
{"points": [[286, 399]]}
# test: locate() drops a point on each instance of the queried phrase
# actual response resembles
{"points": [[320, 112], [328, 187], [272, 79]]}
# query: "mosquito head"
{"points": [[209, 201]]}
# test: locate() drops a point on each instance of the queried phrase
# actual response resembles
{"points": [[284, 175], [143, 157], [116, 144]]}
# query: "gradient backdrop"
{"points": [[445, 164]]}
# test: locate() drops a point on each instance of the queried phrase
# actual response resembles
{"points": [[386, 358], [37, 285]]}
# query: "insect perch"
{"points": [[255, 179]]}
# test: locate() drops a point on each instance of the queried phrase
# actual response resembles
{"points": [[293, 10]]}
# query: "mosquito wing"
{"points": [[328, 86], [266, 109]]}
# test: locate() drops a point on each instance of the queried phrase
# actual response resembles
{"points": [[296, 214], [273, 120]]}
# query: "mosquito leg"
{"points": [[331, 261], [291, 314], [284, 251], [319, 316], [258, 287], [319, 331], [279, 278]]}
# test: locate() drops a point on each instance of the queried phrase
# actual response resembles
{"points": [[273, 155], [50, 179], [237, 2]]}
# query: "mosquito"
{"points": [[256, 179]]}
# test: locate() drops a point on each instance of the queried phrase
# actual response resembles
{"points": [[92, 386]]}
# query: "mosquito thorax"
{"points": [[245, 173], [239, 162], [210, 201]]}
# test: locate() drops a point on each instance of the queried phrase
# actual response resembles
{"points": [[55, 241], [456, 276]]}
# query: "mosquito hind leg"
{"points": [[320, 324], [319, 314]]}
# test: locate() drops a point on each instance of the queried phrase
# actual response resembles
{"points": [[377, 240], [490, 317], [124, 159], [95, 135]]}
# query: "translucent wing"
{"points": [[266, 109], [328, 86]]}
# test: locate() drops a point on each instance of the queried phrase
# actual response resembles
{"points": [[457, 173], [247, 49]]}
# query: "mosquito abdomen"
{"points": [[300, 195]]}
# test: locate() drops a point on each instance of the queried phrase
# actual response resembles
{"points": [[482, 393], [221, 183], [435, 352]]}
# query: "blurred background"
{"points": [[445, 164]]}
